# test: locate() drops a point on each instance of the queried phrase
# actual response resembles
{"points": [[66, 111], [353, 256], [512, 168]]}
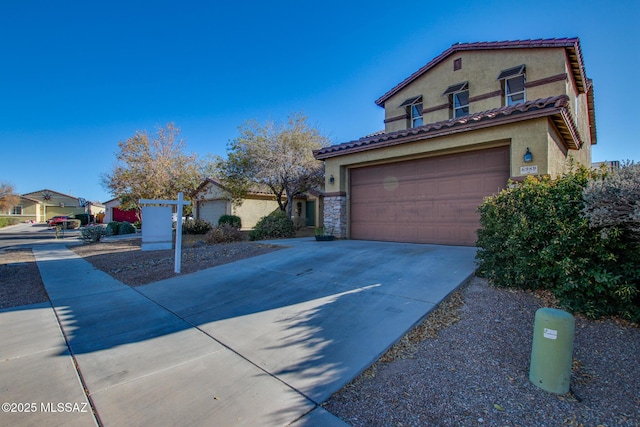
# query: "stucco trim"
{"points": [[485, 96], [435, 108], [397, 118], [551, 79]]}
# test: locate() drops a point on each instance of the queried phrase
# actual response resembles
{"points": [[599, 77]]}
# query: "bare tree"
{"points": [[153, 167], [278, 156], [7, 197]]}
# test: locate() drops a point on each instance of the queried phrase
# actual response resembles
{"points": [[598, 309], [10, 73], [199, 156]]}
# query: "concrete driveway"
{"points": [[263, 341]]}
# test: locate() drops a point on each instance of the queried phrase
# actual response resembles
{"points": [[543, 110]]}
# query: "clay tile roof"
{"points": [[556, 108], [572, 45], [254, 189]]}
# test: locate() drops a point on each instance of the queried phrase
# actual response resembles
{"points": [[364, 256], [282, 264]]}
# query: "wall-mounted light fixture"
{"points": [[528, 157], [331, 179]]}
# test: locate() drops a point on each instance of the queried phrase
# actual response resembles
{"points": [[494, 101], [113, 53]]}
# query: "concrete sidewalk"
{"points": [[262, 341]]}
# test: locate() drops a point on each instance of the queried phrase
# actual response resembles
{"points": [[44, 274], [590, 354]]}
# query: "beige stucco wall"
{"points": [[560, 158], [532, 134], [480, 69], [252, 210], [30, 211]]}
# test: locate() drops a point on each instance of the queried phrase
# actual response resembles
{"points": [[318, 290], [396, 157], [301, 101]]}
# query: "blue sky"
{"points": [[77, 77]]}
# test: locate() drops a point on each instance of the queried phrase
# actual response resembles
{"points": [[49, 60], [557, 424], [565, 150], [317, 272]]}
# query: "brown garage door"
{"points": [[430, 200]]}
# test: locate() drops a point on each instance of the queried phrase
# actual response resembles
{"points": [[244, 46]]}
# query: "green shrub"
{"points": [[534, 236], [232, 220], [92, 234], [113, 228], [273, 226], [5, 222], [126, 228], [225, 233], [84, 218], [196, 226]]}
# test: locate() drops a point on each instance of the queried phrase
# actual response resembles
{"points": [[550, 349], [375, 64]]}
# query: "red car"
{"points": [[59, 219]]}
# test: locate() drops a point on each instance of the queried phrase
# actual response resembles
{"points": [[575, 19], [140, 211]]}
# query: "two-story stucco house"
{"points": [[456, 131]]}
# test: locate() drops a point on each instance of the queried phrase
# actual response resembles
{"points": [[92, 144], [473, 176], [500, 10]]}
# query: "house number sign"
{"points": [[526, 170]]}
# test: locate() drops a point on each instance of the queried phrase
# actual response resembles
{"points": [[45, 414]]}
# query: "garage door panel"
{"points": [[431, 200], [212, 210]]}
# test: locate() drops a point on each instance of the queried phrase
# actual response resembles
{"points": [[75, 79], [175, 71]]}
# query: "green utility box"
{"points": [[552, 350]]}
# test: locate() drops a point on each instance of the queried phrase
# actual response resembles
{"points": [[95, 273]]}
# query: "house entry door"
{"points": [[311, 213]]}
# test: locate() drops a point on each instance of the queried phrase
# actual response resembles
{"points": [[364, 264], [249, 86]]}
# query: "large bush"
{"points": [[534, 236], [126, 228], [92, 234], [115, 228], [232, 220], [112, 228], [273, 226], [196, 226], [225, 233]]}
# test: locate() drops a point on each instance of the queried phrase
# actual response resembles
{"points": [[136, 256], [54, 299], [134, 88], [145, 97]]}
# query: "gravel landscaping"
{"points": [[468, 365]]}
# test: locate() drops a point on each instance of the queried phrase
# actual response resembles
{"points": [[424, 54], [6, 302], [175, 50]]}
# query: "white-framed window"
{"points": [[413, 107], [461, 103], [514, 85], [16, 210], [458, 99], [416, 115], [514, 92]]}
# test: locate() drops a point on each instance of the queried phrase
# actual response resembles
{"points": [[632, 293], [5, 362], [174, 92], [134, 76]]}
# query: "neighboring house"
{"points": [[455, 131], [41, 205], [113, 212], [27, 209], [212, 200]]}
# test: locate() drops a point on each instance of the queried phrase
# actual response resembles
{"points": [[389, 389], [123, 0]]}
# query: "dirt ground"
{"points": [[21, 284], [125, 261], [20, 281]]}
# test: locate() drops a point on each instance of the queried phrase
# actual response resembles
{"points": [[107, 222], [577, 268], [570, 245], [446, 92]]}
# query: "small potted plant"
{"points": [[322, 234]]}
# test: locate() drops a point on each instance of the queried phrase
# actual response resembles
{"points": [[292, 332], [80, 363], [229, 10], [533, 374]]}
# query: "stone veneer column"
{"points": [[335, 214]]}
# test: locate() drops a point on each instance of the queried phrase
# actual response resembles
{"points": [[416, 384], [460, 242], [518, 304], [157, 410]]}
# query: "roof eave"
{"points": [[554, 108]]}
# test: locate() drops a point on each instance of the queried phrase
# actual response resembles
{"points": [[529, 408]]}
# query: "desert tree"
{"points": [[278, 156], [8, 199], [153, 167]]}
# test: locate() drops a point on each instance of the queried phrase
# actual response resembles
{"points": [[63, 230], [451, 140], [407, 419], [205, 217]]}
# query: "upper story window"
{"points": [[513, 84], [458, 99], [413, 107]]}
